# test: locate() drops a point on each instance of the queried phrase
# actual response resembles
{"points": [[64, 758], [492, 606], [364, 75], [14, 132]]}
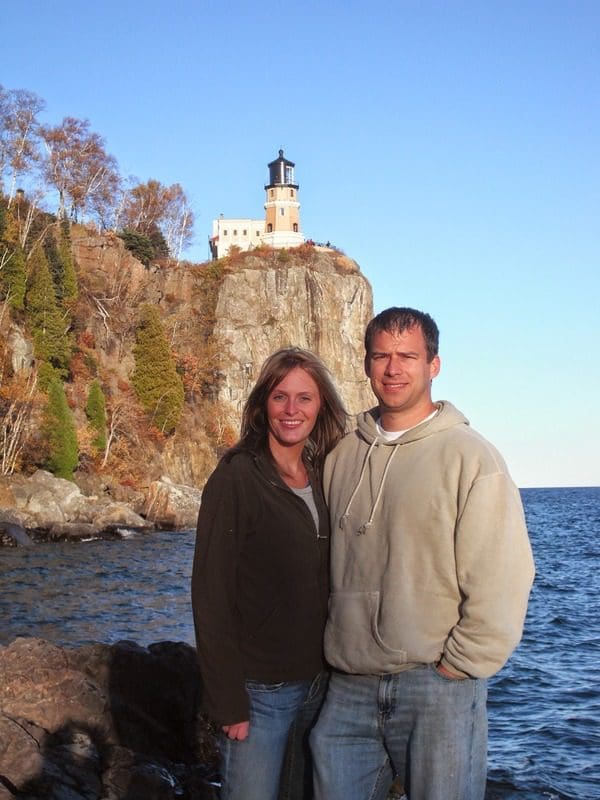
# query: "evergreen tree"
{"points": [[12, 265], [156, 381], [70, 288], [55, 265], [139, 245], [60, 433], [159, 243], [13, 275], [48, 328], [95, 410]]}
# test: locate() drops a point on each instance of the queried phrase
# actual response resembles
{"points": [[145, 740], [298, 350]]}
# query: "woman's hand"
{"points": [[238, 731]]}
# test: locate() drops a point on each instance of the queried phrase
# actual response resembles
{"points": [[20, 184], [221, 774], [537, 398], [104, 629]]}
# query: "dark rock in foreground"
{"points": [[103, 722]]}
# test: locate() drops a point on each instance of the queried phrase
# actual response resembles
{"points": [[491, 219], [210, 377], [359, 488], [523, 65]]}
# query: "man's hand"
{"points": [[238, 731], [447, 674]]}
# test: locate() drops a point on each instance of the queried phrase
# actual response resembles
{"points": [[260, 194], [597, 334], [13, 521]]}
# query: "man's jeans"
{"points": [[429, 730], [276, 750]]}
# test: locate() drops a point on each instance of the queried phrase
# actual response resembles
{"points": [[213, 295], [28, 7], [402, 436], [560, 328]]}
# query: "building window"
{"points": [[258, 233], [289, 174], [291, 192], [271, 193], [295, 227], [235, 231], [269, 228], [244, 232], [225, 232], [282, 211]]}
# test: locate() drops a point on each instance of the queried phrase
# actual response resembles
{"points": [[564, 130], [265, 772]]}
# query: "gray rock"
{"points": [[13, 525], [172, 506], [119, 515]]}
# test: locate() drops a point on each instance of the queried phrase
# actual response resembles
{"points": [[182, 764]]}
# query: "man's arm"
{"points": [[495, 571]]}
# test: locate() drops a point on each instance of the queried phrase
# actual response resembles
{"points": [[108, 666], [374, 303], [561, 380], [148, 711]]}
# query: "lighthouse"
{"points": [[279, 228], [282, 208]]}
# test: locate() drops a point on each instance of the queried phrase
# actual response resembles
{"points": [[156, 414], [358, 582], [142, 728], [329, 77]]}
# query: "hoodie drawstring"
{"points": [[366, 525]]}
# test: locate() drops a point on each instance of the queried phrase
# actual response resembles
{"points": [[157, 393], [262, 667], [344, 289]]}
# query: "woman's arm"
{"points": [[219, 539]]}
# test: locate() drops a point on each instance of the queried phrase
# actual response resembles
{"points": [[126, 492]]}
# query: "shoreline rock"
{"points": [[44, 508], [117, 722]]}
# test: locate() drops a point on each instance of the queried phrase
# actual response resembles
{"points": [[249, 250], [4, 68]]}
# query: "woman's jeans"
{"points": [[273, 763], [429, 730]]}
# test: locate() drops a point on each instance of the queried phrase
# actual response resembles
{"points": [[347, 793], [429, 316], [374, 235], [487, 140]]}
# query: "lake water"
{"points": [[544, 706]]}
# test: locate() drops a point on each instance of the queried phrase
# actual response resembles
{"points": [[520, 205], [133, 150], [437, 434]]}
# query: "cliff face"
{"points": [[222, 320], [320, 307]]}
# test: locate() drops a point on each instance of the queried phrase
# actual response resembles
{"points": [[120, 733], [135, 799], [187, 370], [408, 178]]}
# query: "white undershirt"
{"points": [[391, 436]]}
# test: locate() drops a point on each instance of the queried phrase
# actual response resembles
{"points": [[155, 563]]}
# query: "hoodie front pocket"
{"points": [[352, 639]]}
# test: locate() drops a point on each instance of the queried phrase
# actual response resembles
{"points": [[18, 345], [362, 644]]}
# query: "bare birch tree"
{"points": [[78, 166]]}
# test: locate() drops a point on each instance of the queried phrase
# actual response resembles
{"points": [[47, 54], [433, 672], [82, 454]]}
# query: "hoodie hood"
{"points": [[446, 417]]}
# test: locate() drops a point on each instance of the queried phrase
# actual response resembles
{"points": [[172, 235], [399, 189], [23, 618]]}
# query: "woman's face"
{"points": [[293, 407]]}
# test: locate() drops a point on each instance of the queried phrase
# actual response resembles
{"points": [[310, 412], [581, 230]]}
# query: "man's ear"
{"points": [[434, 367], [367, 363]]}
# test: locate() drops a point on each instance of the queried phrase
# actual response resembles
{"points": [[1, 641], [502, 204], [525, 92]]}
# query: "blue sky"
{"points": [[451, 148]]}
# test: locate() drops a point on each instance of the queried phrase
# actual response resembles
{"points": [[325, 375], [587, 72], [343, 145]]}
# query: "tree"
{"points": [[151, 207], [12, 264], [78, 166], [139, 245], [60, 432], [95, 410], [17, 400], [48, 327], [19, 133], [13, 275], [70, 287], [157, 384], [55, 264]]}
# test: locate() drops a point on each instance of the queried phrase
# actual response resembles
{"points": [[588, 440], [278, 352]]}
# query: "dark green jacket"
{"points": [[259, 584]]}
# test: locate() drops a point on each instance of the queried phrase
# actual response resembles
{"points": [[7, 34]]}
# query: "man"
{"points": [[431, 571]]}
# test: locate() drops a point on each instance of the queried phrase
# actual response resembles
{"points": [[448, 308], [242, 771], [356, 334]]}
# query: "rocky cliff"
{"points": [[222, 319]]}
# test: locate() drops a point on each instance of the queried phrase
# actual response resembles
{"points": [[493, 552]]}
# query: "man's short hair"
{"points": [[398, 320]]}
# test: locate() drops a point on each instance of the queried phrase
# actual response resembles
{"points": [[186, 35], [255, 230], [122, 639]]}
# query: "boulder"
{"points": [[171, 506], [103, 721], [13, 525], [119, 515]]}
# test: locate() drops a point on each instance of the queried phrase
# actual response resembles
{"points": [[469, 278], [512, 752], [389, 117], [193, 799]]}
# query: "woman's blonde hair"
{"points": [[331, 421]]}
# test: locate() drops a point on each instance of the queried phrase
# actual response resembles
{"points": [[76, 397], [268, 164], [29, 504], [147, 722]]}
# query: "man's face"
{"points": [[401, 376]]}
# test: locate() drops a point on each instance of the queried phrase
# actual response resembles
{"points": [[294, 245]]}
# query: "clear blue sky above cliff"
{"points": [[451, 148]]}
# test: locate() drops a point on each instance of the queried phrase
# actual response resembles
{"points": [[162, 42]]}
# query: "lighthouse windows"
{"points": [[282, 211], [289, 174]]}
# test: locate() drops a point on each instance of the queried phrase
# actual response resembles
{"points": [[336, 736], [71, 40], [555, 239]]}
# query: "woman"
{"points": [[261, 575]]}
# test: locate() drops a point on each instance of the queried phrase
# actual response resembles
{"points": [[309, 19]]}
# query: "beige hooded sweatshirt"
{"points": [[430, 555]]}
